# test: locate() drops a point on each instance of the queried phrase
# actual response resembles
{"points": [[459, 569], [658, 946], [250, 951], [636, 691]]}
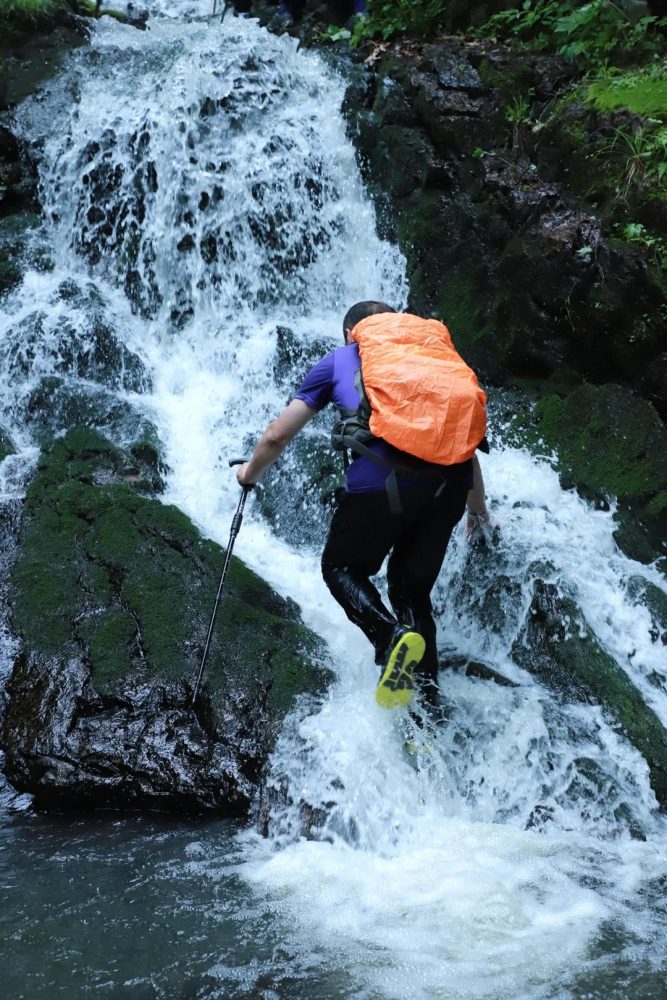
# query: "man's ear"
{"points": [[348, 331]]}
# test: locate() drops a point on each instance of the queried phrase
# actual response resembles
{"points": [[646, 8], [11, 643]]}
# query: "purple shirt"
{"points": [[331, 380]]}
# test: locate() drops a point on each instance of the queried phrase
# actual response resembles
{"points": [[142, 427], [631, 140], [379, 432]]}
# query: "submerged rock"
{"points": [[110, 596], [557, 646]]}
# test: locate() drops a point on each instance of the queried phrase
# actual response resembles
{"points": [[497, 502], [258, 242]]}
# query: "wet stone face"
{"points": [[110, 598]]}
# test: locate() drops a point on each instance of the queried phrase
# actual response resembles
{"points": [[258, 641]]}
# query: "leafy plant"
{"points": [[25, 10], [593, 33], [518, 115], [387, 18], [635, 232], [334, 33], [641, 154]]}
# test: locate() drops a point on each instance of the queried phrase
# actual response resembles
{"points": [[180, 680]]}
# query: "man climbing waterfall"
{"points": [[402, 502]]}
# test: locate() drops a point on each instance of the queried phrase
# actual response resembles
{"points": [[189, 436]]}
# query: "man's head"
{"points": [[359, 311]]}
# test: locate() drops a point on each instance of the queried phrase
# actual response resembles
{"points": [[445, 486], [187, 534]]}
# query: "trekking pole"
{"points": [[235, 528]]}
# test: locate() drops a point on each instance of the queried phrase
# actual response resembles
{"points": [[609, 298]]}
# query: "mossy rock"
{"points": [[91, 540], [116, 590], [612, 443], [557, 646], [33, 50]]}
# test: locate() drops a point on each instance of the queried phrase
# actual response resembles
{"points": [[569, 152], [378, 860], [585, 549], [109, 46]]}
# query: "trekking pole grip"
{"points": [[238, 516]]}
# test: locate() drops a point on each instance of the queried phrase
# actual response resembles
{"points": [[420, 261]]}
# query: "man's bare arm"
{"points": [[476, 502], [274, 440]]}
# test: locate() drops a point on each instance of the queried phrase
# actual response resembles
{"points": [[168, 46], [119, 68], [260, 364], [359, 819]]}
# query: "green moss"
{"points": [[509, 76], [459, 306], [109, 642], [609, 440], [645, 96], [657, 507], [131, 583]]}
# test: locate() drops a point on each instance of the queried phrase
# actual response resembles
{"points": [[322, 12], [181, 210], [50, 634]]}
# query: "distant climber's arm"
{"points": [[274, 440], [476, 502]]}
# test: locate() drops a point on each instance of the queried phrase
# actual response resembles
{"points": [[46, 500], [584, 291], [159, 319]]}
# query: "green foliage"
{"points": [[635, 232], [26, 9], [334, 33], [641, 156], [642, 93], [518, 115], [388, 18], [594, 34], [21, 14]]}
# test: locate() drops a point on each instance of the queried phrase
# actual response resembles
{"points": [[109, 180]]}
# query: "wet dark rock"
{"points": [[18, 175], [293, 357], [511, 224], [6, 445], [136, 15], [110, 597], [298, 495], [119, 182], [20, 247], [557, 646], [504, 250], [55, 404], [84, 345], [473, 668]]}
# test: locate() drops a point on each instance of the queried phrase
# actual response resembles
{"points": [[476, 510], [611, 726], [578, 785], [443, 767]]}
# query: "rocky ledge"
{"points": [[492, 170], [110, 597]]}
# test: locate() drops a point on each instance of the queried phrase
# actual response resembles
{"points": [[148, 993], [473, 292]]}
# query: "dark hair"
{"points": [[360, 310]]}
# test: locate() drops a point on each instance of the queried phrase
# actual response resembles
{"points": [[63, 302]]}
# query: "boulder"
{"points": [[488, 169], [110, 597]]}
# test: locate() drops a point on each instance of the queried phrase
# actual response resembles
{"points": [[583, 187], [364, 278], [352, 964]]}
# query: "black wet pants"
{"points": [[363, 531]]}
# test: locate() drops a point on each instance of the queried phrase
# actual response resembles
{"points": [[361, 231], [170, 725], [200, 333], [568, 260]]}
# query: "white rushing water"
{"points": [[201, 199]]}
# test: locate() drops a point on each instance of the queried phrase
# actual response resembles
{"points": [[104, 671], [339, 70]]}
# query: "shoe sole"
{"points": [[397, 681]]}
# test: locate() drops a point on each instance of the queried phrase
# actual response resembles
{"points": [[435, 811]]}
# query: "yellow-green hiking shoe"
{"points": [[397, 681]]}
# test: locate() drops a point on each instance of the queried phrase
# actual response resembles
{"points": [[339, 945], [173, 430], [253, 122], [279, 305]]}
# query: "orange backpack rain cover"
{"points": [[425, 400]]}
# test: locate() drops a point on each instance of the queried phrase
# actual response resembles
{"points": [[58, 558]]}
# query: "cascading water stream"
{"points": [[207, 228]]}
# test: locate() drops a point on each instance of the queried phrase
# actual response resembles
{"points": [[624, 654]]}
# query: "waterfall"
{"points": [[205, 229]]}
